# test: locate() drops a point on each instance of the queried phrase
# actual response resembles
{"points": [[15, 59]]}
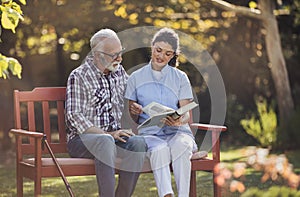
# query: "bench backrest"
{"points": [[40, 110]]}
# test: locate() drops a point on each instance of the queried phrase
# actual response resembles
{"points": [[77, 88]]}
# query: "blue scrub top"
{"points": [[144, 88]]}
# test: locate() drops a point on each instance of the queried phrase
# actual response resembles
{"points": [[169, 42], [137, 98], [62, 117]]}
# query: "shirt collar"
{"points": [[164, 70]]}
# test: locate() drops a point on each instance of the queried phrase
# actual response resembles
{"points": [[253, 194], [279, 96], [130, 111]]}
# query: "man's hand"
{"points": [[118, 135], [122, 134]]}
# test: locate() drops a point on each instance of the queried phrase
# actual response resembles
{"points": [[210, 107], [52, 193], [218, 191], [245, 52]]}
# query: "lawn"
{"points": [[86, 185]]}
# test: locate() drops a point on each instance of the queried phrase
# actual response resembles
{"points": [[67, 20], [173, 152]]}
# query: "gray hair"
{"points": [[99, 36]]}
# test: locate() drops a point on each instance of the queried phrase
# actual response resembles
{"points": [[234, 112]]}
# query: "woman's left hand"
{"points": [[171, 121]]}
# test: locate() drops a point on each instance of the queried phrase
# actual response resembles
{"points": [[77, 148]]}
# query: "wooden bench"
{"points": [[33, 162]]}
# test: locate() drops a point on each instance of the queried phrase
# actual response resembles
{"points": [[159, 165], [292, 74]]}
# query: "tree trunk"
{"points": [[274, 51], [277, 62]]}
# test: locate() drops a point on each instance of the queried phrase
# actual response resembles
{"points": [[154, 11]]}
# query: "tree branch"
{"points": [[249, 12]]}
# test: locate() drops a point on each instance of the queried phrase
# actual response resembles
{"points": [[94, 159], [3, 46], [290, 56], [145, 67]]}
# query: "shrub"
{"points": [[263, 129]]}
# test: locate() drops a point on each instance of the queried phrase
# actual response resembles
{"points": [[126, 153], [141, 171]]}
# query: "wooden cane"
{"points": [[44, 141]]}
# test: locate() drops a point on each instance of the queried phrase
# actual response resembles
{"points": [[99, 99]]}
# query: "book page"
{"points": [[154, 120], [154, 108], [157, 111], [186, 108]]}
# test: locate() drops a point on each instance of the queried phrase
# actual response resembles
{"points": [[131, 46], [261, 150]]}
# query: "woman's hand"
{"points": [[171, 121], [135, 108]]}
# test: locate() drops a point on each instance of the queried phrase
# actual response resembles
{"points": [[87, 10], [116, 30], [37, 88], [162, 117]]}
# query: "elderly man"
{"points": [[94, 104]]}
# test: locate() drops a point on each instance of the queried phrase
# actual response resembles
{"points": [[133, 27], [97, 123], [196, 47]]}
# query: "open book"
{"points": [[157, 111]]}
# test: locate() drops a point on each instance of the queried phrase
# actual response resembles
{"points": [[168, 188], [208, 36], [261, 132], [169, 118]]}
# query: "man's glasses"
{"points": [[114, 56]]}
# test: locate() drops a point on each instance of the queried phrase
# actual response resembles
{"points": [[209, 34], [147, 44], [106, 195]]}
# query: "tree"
{"points": [[265, 13], [44, 33], [219, 31], [51, 31], [10, 14]]}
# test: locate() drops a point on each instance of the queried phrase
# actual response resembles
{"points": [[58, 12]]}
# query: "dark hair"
{"points": [[171, 37]]}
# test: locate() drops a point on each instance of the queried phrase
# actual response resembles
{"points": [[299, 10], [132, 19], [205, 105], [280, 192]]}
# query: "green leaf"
{"points": [[23, 2], [3, 66], [10, 19], [17, 8], [6, 1], [15, 67], [252, 4], [3, 63], [263, 129]]}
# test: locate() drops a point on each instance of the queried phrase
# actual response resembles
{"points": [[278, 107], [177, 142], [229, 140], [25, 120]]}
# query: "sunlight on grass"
{"points": [[153, 189], [232, 155], [87, 185]]}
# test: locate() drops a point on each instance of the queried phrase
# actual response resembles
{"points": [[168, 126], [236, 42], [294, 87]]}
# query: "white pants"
{"points": [[178, 150]]}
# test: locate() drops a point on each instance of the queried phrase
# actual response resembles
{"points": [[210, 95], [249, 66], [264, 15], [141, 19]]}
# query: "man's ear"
{"points": [[101, 59], [98, 57]]}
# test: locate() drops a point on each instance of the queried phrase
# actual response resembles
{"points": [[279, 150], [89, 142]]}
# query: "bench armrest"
{"points": [[208, 127], [216, 130], [36, 148], [26, 133]]}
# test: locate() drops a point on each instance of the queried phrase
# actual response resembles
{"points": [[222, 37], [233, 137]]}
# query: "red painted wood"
{"points": [[37, 171]]}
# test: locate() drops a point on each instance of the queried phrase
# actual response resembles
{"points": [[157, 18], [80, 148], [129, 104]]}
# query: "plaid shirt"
{"points": [[94, 99]]}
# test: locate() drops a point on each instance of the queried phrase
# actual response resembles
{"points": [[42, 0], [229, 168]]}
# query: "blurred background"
{"points": [[53, 39]]}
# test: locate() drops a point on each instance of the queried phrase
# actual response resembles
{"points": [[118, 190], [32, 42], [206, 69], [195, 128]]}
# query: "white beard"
{"points": [[113, 68]]}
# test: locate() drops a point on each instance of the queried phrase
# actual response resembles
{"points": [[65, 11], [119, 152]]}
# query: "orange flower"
{"points": [[239, 169], [265, 177], [294, 181], [226, 173], [237, 186], [220, 180]]}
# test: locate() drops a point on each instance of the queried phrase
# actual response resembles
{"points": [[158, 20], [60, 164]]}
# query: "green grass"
{"points": [[87, 186]]}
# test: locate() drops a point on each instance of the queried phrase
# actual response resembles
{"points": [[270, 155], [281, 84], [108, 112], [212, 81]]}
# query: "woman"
{"points": [[162, 82]]}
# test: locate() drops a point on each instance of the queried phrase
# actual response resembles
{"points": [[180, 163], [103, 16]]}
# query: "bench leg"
{"points": [[193, 189], [217, 188], [19, 185], [37, 187]]}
